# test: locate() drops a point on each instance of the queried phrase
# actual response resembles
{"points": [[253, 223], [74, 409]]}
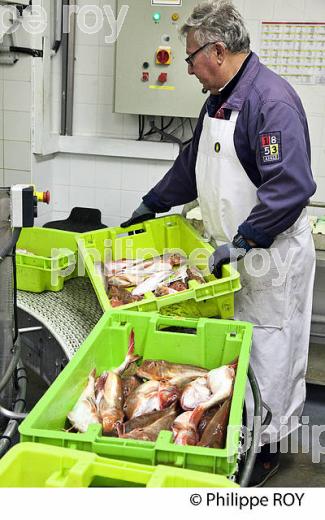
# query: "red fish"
{"points": [[161, 370], [214, 435]]}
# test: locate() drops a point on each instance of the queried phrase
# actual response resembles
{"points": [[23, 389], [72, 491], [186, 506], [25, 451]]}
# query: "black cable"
{"points": [[168, 137], [24, 50]]}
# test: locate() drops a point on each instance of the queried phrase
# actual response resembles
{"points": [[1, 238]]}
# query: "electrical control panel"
{"points": [[151, 74]]}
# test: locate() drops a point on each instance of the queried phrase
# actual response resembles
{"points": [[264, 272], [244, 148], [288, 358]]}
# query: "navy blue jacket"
{"points": [[270, 113]]}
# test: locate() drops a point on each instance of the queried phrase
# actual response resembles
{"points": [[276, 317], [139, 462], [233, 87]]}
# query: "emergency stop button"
{"points": [[162, 78], [163, 56]]}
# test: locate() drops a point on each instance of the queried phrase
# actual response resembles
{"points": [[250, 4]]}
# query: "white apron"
{"points": [[278, 301]]}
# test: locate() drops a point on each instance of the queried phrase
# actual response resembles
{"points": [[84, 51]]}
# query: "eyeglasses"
{"points": [[189, 59]]}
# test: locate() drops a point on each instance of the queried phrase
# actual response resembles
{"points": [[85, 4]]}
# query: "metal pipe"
{"points": [[6, 296], [317, 204], [12, 426], [64, 67], [318, 318], [10, 245], [58, 25], [70, 71], [12, 415], [25, 330]]}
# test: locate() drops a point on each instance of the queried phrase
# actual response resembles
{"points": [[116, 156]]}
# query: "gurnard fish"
{"points": [[220, 381], [130, 384], [84, 412], [179, 286], [111, 403], [151, 432], [163, 290], [195, 274], [142, 421], [206, 418], [124, 280], [150, 396], [120, 296], [195, 393], [215, 433], [184, 430], [161, 370], [221, 385]]}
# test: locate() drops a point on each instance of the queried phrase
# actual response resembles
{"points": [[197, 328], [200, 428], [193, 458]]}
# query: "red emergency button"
{"points": [[162, 78], [163, 57], [145, 76]]}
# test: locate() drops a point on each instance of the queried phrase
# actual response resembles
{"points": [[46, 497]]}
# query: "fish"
{"points": [[142, 420], [124, 280], [168, 393], [151, 283], [120, 296], [84, 412], [221, 380], [178, 286], [161, 370], [163, 290], [195, 393], [129, 358], [174, 259], [111, 404], [143, 400], [130, 383], [151, 396], [206, 418], [99, 387], [214, 435], [184, 431], [151, 432], [179, 275], [193, 273]]}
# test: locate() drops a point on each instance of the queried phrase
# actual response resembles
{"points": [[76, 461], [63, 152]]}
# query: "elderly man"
{"points": [[249, 166]]}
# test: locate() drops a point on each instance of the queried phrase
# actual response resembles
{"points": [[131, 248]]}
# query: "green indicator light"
{"points": [[156, 17]]}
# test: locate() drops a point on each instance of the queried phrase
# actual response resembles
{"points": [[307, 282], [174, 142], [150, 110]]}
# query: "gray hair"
{"points": [[218, 20]]}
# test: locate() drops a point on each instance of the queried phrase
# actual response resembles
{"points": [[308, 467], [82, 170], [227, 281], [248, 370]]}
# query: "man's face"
{"points": [[205, 64]]}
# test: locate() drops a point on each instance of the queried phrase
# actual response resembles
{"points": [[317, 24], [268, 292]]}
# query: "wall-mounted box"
{"points": [[151, 74]]}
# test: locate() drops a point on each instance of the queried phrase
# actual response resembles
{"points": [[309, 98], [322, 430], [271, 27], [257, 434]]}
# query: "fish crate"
{"points": [[215, 298], [53, 260], [29, 465], [213, 344]]}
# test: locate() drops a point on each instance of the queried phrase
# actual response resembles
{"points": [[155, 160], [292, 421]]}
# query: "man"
{"points": [[249, 167]]}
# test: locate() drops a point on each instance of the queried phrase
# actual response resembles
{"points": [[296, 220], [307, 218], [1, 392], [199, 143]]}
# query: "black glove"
{"points": [[235, 250], [141, 214]]}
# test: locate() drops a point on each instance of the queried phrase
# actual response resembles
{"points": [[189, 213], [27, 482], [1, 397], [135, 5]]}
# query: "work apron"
{"points": [[277, 283]]}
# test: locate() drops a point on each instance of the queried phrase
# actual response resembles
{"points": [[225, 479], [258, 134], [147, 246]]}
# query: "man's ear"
{"points": [[221, 52]]}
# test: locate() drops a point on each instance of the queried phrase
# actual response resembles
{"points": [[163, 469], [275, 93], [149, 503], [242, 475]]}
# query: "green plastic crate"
{"points": [[30, 465], [215, 343], [42, 271], [212, 299]]}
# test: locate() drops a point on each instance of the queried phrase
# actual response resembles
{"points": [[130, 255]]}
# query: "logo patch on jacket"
{"points": [[270, 147]]}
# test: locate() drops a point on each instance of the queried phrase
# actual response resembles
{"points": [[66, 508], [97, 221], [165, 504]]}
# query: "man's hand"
{"points": [[227, 253], [141, 214]]}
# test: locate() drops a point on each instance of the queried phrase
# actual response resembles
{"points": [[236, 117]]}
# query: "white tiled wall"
{"points": [[113, 185], [15, 117]]}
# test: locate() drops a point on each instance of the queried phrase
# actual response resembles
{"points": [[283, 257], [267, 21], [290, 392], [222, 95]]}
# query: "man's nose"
{"points": [[190, 69]]}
